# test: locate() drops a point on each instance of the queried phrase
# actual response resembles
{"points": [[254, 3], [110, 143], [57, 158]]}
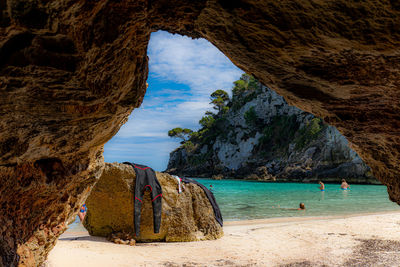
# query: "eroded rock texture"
{"points": [[59, 66], [72, 71], [188, 216]]}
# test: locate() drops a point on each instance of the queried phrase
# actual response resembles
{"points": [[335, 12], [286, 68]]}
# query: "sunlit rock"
{"points": [[188, 216]]}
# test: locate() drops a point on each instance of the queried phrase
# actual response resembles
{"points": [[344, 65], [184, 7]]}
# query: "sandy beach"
{"points": [[359, 240]]}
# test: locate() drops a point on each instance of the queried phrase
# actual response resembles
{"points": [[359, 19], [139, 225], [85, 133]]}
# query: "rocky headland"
{"points": [[261, 137]]}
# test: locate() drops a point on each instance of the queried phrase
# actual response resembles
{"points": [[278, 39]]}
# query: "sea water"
{"points": [[244, 200]]}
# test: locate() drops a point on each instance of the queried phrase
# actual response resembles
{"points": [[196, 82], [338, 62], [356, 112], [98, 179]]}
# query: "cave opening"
{"points": [[183, 72], [288, 146]]}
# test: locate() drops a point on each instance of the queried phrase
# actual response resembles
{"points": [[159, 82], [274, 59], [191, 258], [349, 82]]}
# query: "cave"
{"points": [[71, 72]]}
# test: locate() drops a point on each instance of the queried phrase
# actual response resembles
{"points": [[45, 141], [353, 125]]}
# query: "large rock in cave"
{"points": [[187, 216], [72, 71]]}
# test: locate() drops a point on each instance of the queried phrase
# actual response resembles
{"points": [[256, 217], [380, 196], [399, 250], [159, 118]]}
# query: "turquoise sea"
{"points": [[244, 200]]}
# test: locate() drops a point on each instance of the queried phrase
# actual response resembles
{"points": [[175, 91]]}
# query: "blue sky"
{"points": [[183, 74]]}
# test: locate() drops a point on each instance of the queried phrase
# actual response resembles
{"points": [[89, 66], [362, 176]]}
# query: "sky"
{"points": [[183, 72]]}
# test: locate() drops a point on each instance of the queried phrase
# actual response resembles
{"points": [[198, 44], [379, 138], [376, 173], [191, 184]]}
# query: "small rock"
{"points": [[217, 177]]}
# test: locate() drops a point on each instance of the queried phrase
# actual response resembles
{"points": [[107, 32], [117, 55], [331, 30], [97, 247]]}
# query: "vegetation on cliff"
{"points": [[255, 133], [180, 133], [275, 136]]}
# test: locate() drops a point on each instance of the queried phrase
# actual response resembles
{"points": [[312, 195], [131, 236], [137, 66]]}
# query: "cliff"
{"points": [[262, 137]]}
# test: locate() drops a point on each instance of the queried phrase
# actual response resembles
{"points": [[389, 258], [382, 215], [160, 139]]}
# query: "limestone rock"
{"points": [[264, 175], [185, 217], [326, 156]]}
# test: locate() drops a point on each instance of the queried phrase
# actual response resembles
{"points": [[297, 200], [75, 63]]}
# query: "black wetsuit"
{"points": [[210, 197], [146, 178]]}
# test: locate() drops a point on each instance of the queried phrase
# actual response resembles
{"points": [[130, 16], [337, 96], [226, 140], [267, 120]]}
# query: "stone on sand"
{"points": [[185, 217]]}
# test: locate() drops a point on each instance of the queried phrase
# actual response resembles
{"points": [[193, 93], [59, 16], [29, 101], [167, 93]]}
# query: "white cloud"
{"points": [[155, 122], [196, 63]]}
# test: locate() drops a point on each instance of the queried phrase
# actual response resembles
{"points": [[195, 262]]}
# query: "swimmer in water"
{"points": [[302, 206], [322, 186], [344, 185]]}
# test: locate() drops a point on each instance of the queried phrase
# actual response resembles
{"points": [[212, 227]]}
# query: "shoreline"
{"points": [[283, 219], [274, 220], [288, 181], [304, 218], [350, 240]]}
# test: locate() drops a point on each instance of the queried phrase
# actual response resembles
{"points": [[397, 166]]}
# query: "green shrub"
{"points": [[197, 160], [180, 133], [189, 146], [250, 116], [239, 87], [207, 121], [315, 126], [309, 132], [279, 133], [244, 90]]}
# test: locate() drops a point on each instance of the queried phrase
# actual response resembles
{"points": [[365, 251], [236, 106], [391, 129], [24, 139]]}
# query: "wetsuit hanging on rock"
{"points": [[210, 197], [146, 179]]}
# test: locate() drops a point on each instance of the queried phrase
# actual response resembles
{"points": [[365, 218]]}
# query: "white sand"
{"points": [[331, 241]]}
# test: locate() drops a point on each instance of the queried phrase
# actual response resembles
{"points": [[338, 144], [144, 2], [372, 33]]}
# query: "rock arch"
{"points": [[72, 71]]}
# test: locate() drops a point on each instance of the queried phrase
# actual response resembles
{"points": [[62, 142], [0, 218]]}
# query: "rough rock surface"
{"points": [[72, 71], [289, 154], [188, 216]]}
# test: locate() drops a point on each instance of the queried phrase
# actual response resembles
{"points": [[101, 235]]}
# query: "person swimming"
{"points": [[344, 185], [322, 186], [302, 206]]}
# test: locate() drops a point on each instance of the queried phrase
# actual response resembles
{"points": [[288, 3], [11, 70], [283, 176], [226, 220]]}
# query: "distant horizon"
{"points": [[183, 72]]}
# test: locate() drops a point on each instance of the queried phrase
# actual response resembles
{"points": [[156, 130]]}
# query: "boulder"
{"points": [[188, 216], [261, 174], [264, 175], [217, 177]]}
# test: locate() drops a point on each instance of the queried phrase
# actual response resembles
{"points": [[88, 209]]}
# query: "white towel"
{"points": [[180, 185]]}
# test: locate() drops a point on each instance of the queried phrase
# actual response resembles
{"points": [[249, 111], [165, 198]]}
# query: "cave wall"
{"points": [[71, 72], [70, 75], [338, 60]]}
